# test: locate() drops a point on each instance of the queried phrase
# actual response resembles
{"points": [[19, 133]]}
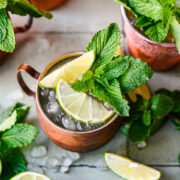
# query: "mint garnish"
{"points": [[111, 77], [19, 7]]}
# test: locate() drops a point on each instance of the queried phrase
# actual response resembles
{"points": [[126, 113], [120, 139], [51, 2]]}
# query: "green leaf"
{"points": [[149, 8], [112, 95], [146, 118], [175, 29], [113, 69], [137, 74], [177, 13], [17, 116], [143, 21], [19, 135], [138, 132], [163, 91], [161, 105], [22, 7], [8, 112], [157, 32], [8, 44], [176, 97], [12, 162], [126, 4], [3, 24], [124, 129], [3, 4], [105, 44], [85, 84]]}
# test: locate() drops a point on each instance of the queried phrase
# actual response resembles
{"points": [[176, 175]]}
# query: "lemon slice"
{"points": [[129, 169], [81, 106], [142, 90], [30, 176], [69, 71]]}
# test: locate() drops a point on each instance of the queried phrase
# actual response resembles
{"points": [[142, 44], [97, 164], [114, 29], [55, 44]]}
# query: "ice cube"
{"points": [[52, 107], [44, 92], [68, 123], [141, 145], [53, 163], [79, 127], [73, 155], [39, 151], [34, 167], [66, 164]]}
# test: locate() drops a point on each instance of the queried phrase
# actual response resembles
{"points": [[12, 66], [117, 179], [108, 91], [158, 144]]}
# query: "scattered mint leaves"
{"points": [[146, 118], [20, 7], [161, 105], [111, 77], [12, 162], [23, 8], [19, 135], [105, 44]]}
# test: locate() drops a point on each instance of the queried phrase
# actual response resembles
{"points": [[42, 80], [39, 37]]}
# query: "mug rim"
{"points": [[52, 63], [123, 12]]}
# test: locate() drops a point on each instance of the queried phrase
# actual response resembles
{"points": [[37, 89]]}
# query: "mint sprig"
{"points": [[16, 135], [20, 7], [156, 18], [111, 77]]}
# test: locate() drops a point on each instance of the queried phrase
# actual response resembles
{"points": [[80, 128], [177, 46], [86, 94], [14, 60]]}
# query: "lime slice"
{"points": [[129, 169], [0, 167], [30, 176], [69, 71], [81, 106]]}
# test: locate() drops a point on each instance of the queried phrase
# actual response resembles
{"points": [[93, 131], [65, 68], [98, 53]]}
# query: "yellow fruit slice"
{"points": [[28, 175], [0, 167], [69, 71], [142, 90], [130, 170], [81, 106]]}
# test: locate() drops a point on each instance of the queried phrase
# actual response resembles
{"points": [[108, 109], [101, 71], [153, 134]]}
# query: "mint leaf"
{"points": [[19, 135], [146, 118], [157, 32], [113, 69], [105, 44], [85, 84], [149, 8], [3, 24], [138, 132], [7, 121], [175, 29], [126, 4], [8, 44], [3, 4], [112, 95], [12, 162], [8, 112], [144, 21], [22, 7], [177, 13], [161, 105], [137, 74]]}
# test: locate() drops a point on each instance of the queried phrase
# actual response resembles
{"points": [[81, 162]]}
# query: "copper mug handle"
{"points": [[32, 72]]}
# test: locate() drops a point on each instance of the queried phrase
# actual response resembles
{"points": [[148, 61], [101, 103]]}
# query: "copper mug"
{"points": [[70, 140], [160, 56]]}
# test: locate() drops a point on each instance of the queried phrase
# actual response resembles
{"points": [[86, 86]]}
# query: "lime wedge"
{"points": [[81, 106], [30, 176], [69, 71], [129, 169]]}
